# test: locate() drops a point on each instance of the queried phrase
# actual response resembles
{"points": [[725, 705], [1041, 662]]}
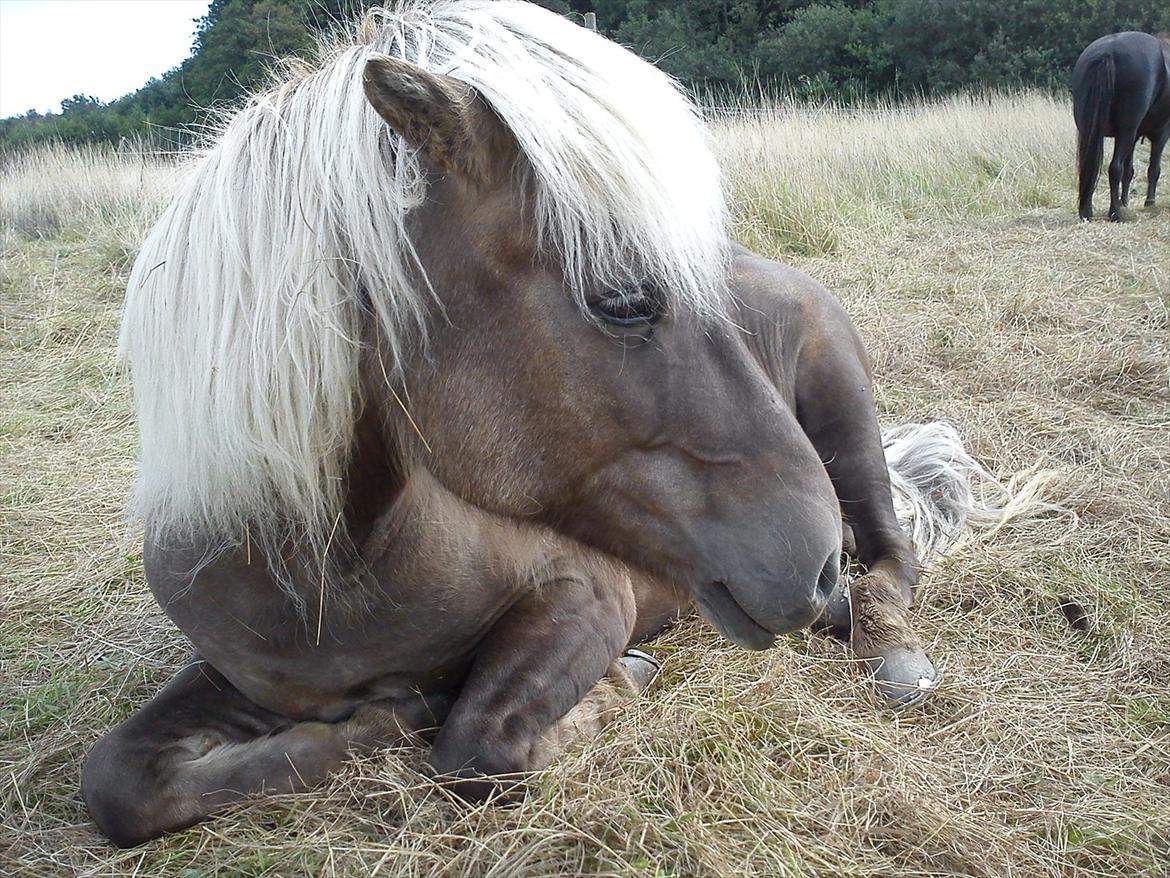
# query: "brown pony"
{"points": [[450, 387]]}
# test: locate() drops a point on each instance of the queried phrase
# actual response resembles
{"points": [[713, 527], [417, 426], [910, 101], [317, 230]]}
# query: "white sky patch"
{"points": [[53, 49]]}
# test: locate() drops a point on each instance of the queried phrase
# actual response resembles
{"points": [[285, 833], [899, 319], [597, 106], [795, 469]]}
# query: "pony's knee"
{"points": [[479, 770]]}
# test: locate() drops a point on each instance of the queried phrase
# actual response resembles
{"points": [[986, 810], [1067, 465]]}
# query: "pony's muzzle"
{"points": [[752, 614]]}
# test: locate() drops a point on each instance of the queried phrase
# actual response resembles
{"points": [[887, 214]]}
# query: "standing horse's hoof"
{"points": [[905, 677]]}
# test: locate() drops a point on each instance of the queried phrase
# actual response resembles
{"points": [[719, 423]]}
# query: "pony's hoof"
{"points": [[641, 667], [905, 677]]}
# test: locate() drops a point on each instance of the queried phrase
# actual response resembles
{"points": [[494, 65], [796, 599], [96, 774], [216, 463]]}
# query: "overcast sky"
{"points": [[54, 49]]}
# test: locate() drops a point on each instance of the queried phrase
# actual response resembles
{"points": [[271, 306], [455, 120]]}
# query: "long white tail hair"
{"points": [[944, 497]]}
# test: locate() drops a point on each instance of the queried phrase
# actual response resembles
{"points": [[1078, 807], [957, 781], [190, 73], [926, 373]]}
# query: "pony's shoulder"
{"points": [[758, 280]]}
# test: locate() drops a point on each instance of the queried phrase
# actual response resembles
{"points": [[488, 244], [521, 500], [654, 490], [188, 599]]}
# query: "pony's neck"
{"points": [[375, 475]]}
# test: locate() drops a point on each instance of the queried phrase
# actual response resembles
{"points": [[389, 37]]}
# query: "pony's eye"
{"points": [[634, 307]]}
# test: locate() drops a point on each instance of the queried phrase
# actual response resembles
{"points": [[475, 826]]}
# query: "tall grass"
{"points": [[803, 179], [46, 189], [807, 180]]}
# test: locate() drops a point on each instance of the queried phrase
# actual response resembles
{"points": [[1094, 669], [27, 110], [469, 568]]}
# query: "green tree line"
{"points": [[825, 49]]}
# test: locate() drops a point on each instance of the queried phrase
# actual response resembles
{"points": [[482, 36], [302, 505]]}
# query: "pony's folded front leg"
{"points": [[880, 633], [837, 412], [532, 689], [200, 744], [624, 679]]}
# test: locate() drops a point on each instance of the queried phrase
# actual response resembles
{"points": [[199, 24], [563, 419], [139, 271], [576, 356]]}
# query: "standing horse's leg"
{"points": [[534, 666], [1123, 147], [836, 408], [1127, 177], [200, 744], [1157, 144]]}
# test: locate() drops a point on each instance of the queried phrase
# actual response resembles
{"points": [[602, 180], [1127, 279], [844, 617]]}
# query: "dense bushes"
{"points": [[888, 47], [235, 43]]}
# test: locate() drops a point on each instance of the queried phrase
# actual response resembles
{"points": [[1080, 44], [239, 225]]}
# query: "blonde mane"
{"points": [[243, 322]]}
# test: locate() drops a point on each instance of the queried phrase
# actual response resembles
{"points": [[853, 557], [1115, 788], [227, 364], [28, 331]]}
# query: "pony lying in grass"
{"points": [[450, 387]]}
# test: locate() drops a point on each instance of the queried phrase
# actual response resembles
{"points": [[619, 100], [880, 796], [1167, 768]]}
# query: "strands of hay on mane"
{"points": [[243, 324]]}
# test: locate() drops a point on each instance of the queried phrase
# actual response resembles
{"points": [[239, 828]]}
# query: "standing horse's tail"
{"points": [[941, 493], [1091, 107]]}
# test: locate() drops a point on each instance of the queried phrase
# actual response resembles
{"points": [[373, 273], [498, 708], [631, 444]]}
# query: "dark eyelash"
{"points": [[628, 307]]}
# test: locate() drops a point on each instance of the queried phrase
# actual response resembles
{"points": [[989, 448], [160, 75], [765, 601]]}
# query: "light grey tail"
{"points": [[942, 495]]}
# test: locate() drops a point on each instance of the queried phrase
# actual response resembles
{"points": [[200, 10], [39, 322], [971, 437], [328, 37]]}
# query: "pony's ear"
{"points": [[445, 119]]}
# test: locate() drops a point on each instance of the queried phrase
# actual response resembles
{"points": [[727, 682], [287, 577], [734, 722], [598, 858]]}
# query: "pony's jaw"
{"points": [[718, 607]]}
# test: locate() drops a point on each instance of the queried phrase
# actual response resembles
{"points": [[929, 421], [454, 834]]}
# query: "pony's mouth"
{"points": [[718, 607]]}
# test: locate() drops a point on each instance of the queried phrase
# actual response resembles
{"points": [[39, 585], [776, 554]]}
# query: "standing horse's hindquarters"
{"points": [[1120, 89]]}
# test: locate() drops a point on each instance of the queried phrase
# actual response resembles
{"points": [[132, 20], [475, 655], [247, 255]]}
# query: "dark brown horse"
{"points": [[1121, 89], [450, 386]]}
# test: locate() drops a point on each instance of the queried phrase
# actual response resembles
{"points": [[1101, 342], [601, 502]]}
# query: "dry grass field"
{"points": [[949, 232]]}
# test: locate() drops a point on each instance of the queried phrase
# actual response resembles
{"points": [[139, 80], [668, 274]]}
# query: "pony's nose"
{"points": [[830, 573], [807, 597], [802, 613]]}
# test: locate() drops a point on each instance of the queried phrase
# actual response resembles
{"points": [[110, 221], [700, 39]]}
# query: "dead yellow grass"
{"points": [[54, 187], [1047, 752]]}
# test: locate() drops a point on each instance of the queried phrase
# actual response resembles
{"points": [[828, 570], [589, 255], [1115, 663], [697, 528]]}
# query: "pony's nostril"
{"points": [[827, 581]]}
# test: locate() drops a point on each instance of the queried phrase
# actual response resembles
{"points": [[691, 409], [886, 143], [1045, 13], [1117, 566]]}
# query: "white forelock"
{"points": [[243, 318]]}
